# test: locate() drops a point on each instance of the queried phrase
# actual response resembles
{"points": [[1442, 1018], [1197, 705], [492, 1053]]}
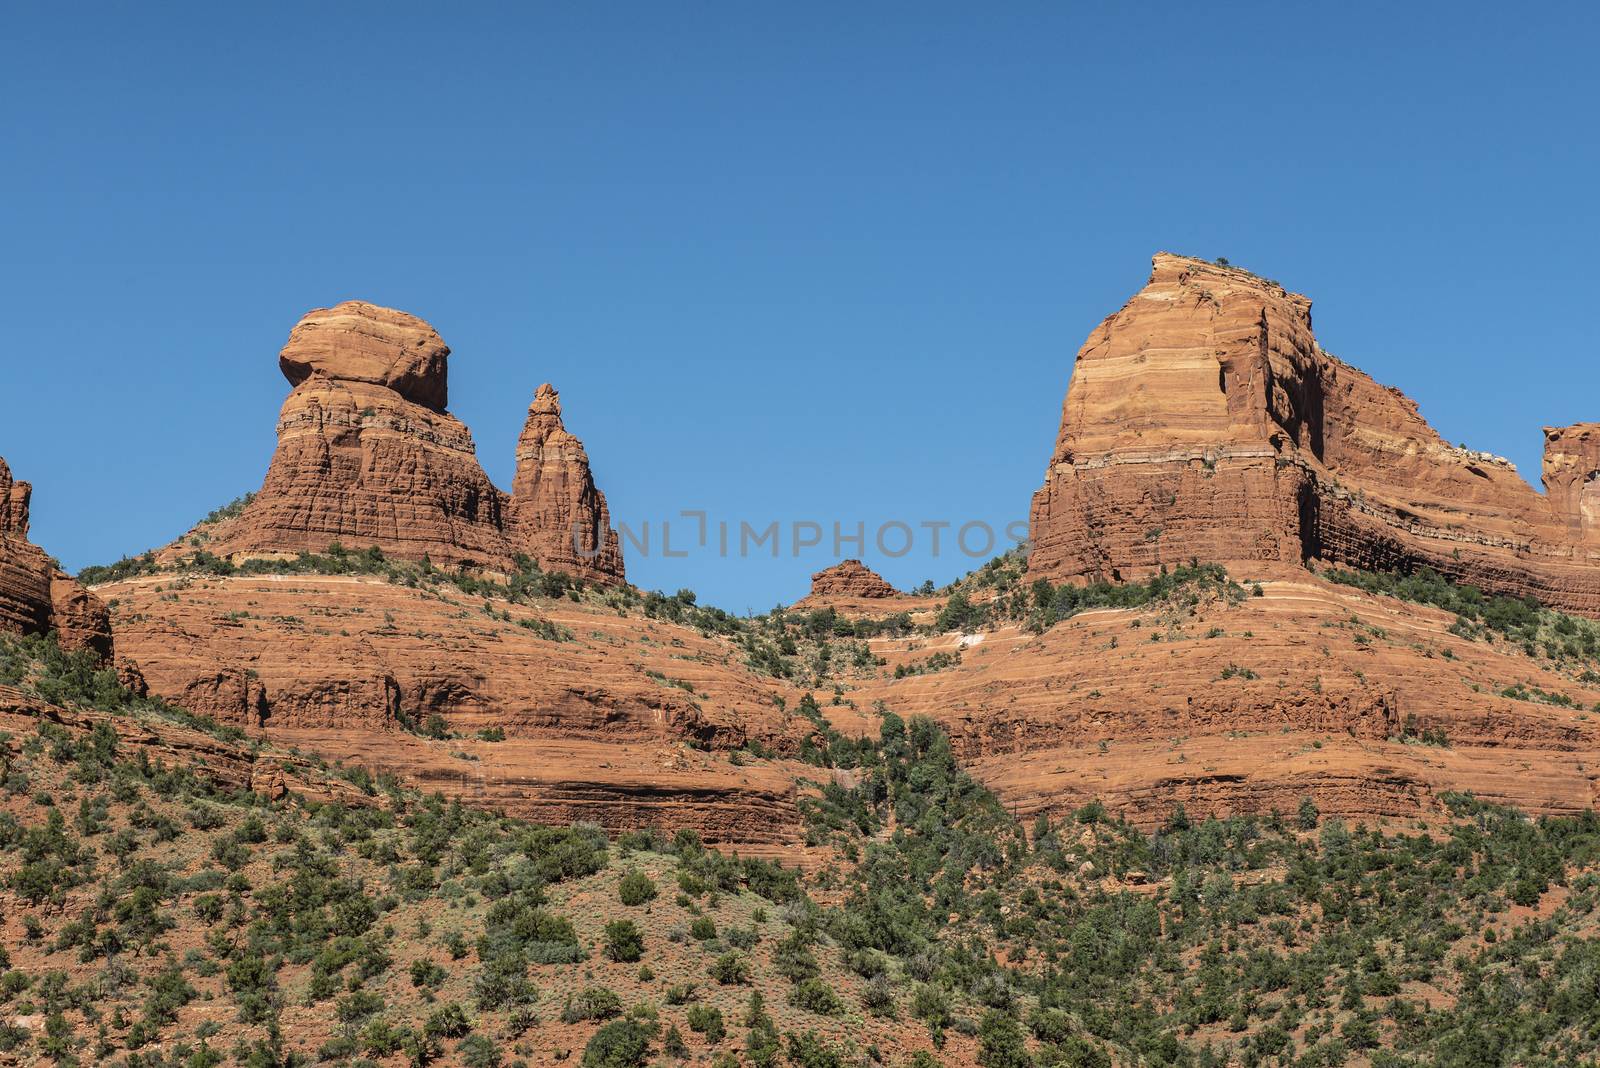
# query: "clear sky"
{"points": [[784, 262]]}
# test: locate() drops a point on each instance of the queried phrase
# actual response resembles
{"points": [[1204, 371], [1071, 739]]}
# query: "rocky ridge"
{"points": [[594, 714]]}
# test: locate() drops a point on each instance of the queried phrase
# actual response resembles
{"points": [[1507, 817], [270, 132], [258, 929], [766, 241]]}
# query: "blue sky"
{"points": [[822, 261]]}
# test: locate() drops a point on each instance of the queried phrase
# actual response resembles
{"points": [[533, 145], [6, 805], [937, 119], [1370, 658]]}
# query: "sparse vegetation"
{"points": [[150, 909]]}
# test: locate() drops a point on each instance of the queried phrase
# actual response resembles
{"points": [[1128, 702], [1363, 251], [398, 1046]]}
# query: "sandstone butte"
{"points": [[36, 596], [1204, 421], [847, 584], [1217, 423], [368, 455]]}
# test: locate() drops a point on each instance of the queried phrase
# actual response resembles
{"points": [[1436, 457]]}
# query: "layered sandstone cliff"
{"points": [[599, 715], [1203, 420], [368, 455], [36, 596]]}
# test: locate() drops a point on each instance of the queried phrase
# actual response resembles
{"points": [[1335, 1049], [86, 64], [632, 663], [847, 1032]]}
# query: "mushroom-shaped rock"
{"points": [[360, 342]]}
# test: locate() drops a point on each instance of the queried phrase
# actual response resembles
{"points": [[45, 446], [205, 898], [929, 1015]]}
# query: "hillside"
{"points": [[158, 911]]}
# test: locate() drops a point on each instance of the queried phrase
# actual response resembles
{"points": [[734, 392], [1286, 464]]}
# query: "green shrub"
{"points": [[706, 1020], [624, 941], [1001, 1043], [449, 1021], [731, 969], [620, 1044], [592, 1003], [636, 888], [808, 1050], [816, 996]]}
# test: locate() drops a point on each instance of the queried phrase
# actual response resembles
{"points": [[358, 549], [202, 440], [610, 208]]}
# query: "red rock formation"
{"points": [[35, 595], [621, 721], [360, 342], [1204, 420], [1572, 478], [368, 456], [850, 579], [1244, 705], [330, 652], [557, 516]]}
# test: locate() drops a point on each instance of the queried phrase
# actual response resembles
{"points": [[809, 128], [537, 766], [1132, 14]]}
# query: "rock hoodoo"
{"points": [[558, 517], [368, 455], [1204, 420], [36, 596]]}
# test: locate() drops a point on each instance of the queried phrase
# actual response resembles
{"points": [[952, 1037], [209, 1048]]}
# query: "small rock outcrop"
{"points": [[850, 579], [1203, 420], [368, 455], [558, 517], [36, 596]]}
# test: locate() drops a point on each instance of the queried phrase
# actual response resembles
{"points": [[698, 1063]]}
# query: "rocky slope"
{"points": [[604, 715], [36, 596], [170, 893], [368, 456], [1246, 704], [1204, 421]]}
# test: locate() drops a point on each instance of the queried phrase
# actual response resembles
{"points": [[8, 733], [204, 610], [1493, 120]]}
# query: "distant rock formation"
{"points": [[1204, 421], [558, 517], [36, 596], [850, 579], [368, 456]]}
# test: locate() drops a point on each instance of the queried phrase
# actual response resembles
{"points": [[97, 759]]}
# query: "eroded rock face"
{"points": [[1572, 478], [360, 465], [1204, 421], [360, 342], [850, 579], [595, 724], [1340, 686], [558, 517], [35, 595], [368, 456]]}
